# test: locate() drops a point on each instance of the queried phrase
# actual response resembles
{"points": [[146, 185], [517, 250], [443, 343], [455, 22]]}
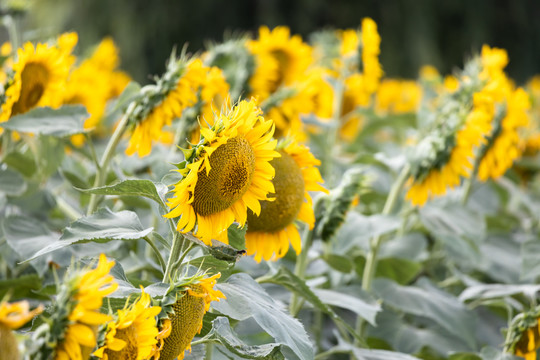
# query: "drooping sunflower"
{"points": [[40, 74], [191, 299], [76, 314], [523, 335], [175, 91], [228, 172], [280, 60], [133, 333], [12, 317], [270, 232]]}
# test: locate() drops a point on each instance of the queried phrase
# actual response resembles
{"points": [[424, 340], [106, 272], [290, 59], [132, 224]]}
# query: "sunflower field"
{"points": [[267, 196]]}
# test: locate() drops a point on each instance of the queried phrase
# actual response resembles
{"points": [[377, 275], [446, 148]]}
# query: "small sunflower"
{"points": [[398, 96], [175, 91], [227, 172], [40, 74], [133, 333], [371, 68], [190, 301], [270, 232], [12, 317], [523, 335], [280, 60], [77, 311]]}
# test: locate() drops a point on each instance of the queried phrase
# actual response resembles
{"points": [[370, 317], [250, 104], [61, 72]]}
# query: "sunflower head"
{"points": [[133, 333], [185, 304], [75, 316], [13, 316], [40, 73], [523, 335], [270, 232], [227, 172]]}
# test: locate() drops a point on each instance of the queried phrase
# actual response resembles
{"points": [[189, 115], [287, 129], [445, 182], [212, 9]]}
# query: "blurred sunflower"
{"points": [[76, 316], [175, 91], [190, 300], [270, 232], [371, 68], [280, 60], [226, 173], [523, 335], [133, 333], [12, 317], [94, 82], [40, 74], [398, 96], [6, 61]]}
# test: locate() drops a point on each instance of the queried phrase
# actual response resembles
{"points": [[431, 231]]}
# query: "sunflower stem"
{"points": [[468, 183], [177, 244], [300, 268], [156, 251], [101, 171], [375, 243], [333, 133]]}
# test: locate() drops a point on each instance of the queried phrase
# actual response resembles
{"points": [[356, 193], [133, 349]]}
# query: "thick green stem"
{"points": [[156, 251], [300, 268], [101, 171], [375, 243], [176, 249]]}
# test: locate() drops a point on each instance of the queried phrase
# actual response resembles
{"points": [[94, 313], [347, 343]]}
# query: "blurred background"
{"points": [[414, 32]]}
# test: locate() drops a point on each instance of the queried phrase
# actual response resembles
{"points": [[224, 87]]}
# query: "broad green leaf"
{"points": [[491, 291], [411, 246], [246, 298], [401, 271], [368, 354], [11, 182], [21, 162], [102, 226], [210, 263], [530, 266], [286, 278], [501, 258], [145, 188], [51, 154], [464, 356], [426, 301], [222, 332], [65, 121], [358, 229], [23, 286], [490, 353], [26, 236], [237, 237], [365, 309], [337, 262], [131, 91]]}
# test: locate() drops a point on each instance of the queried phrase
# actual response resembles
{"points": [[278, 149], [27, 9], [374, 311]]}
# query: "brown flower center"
{"points": [[232, 167], [289, 185], [130, 351], [34, 78]]}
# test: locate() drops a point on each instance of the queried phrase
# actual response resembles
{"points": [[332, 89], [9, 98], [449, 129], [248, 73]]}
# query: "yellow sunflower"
{"points": [[228, 172], [183, 94], [133, 333], [6, 60], [192, 301], [12, 317], [454, 160], [270, 232], [349, 42], [504, 143], [280, 60], [86, 290], [398, 96], [371, 68], [40, 74], [529, 343]]}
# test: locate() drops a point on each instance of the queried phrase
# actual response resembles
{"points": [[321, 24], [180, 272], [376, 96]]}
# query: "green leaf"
{"points": [[21, 162], [131, 92], [146, 188], [337, 262], [367, 354], [530, 266], [65, 121], [210, 263], [441, 307], [102, 226], [490, 353], [320, 298], [464, 356], [21, 287], [246, 298], [11, 182], [237, 237], [222, 332], [401, 271], [491, 291]]}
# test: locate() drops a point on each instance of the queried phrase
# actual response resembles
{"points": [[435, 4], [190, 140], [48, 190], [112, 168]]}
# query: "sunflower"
{"points": [[192, 300], [371, 68], [529, 343], [82, 297], [40, 74], [6, 60], [398, 96], [133, 333], [175, 91], [228, 172], [280, 59], [451, 160], [12, 317], [270, 232]]}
